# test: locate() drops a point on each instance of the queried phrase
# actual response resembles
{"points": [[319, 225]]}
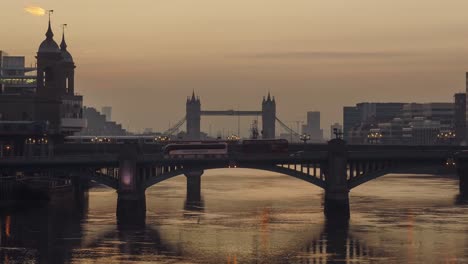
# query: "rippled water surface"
{"points": [[249, 216]]}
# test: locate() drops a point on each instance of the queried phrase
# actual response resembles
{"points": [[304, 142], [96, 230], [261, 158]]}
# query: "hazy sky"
{"points": [[143, 57]]}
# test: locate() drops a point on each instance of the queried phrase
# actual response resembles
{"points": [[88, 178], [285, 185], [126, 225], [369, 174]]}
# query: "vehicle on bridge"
{"points": [[196, 150], [265, 146], [116, 139]]}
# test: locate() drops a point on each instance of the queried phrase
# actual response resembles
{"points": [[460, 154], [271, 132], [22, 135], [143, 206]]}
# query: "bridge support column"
{"points": [[336, 189], [131, 201], [463, 181], [193, 197], [80, 183]]}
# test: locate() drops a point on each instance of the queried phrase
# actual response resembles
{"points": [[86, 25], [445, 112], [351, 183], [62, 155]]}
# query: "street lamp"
{"points": [[338, 133], [446, 137], [304, 138], [374, 137], [233, 138]]}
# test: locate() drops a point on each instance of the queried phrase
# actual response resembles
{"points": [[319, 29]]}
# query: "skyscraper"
{"points": [[351, 118], [312, 127]]}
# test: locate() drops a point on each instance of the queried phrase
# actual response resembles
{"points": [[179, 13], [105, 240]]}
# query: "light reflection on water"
{"points": [[249, 216]]}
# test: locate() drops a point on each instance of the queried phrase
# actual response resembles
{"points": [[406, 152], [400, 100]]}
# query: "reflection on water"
{"points": [[248, 216]]}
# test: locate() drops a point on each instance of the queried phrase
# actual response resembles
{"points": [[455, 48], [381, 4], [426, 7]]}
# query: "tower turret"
{"points": [[193, 116], [67, 81], [48, 66], [268, 117]]}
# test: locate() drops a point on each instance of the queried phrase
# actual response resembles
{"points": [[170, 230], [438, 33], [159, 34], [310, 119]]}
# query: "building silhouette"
{"points": [[268, 117], [98, 125], [15, 77], [460, 117], [312, 127], [351, 118], [193, 115], [46, 106], [107, 112]]}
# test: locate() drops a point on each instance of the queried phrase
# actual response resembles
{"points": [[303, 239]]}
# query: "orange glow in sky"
{"points": [[35, 10]]}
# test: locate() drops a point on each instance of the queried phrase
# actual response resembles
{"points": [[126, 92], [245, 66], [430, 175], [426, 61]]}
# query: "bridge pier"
{"points": [[336, 188], [193, 187], [131, 201], [80, 183], [463, 181]]}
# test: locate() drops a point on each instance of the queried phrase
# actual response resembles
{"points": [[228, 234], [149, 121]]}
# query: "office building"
{"points": [[351, 119], [97, 124], [459, 119], [47, 96], [312, 127], [15, 77]]}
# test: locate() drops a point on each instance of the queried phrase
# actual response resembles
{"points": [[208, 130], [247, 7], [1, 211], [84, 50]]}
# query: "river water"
{"points": [[249, 216]]}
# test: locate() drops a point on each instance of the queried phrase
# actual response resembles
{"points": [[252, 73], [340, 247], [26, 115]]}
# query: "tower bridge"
{"points": [[194, 113]]}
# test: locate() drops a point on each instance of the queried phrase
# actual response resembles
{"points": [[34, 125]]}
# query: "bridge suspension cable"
{"points": [[175, 127], [288, 129]]}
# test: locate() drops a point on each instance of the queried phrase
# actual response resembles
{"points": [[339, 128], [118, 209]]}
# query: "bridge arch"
{"points": [[104, 179], [273, 168], [398, 169]]}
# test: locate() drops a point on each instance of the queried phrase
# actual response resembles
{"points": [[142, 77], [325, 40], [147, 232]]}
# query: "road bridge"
{"points": [[335, 167]]}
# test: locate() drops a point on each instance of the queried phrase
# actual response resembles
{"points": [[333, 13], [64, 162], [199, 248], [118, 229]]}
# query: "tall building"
{"points": [[459, 119], [312, 127], [380, 112], [50, 98], [441, 112], [37, 110], [368, 115], [351, 118], [15, 77], [97, 124], [107, 112]]}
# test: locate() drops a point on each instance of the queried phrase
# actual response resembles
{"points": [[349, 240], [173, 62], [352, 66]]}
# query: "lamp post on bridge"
{"points": [[304, 138], [338, 133]]}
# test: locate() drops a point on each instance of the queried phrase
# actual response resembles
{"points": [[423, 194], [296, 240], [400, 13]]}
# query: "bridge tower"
{"points": [[268, 117], [193, 116], [336, 188]]}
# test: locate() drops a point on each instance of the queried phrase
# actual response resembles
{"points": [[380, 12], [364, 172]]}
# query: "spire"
{"points": [[63, 45], [269, 97], [193, 95], [49, 34]]}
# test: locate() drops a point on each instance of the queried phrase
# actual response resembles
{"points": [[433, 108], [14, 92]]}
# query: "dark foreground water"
{"points": [[249, 217]]}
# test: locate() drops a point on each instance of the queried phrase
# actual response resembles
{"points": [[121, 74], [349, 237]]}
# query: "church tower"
{"points": [[67, 75], [49, 73], [268, 117], [57, 102]]}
